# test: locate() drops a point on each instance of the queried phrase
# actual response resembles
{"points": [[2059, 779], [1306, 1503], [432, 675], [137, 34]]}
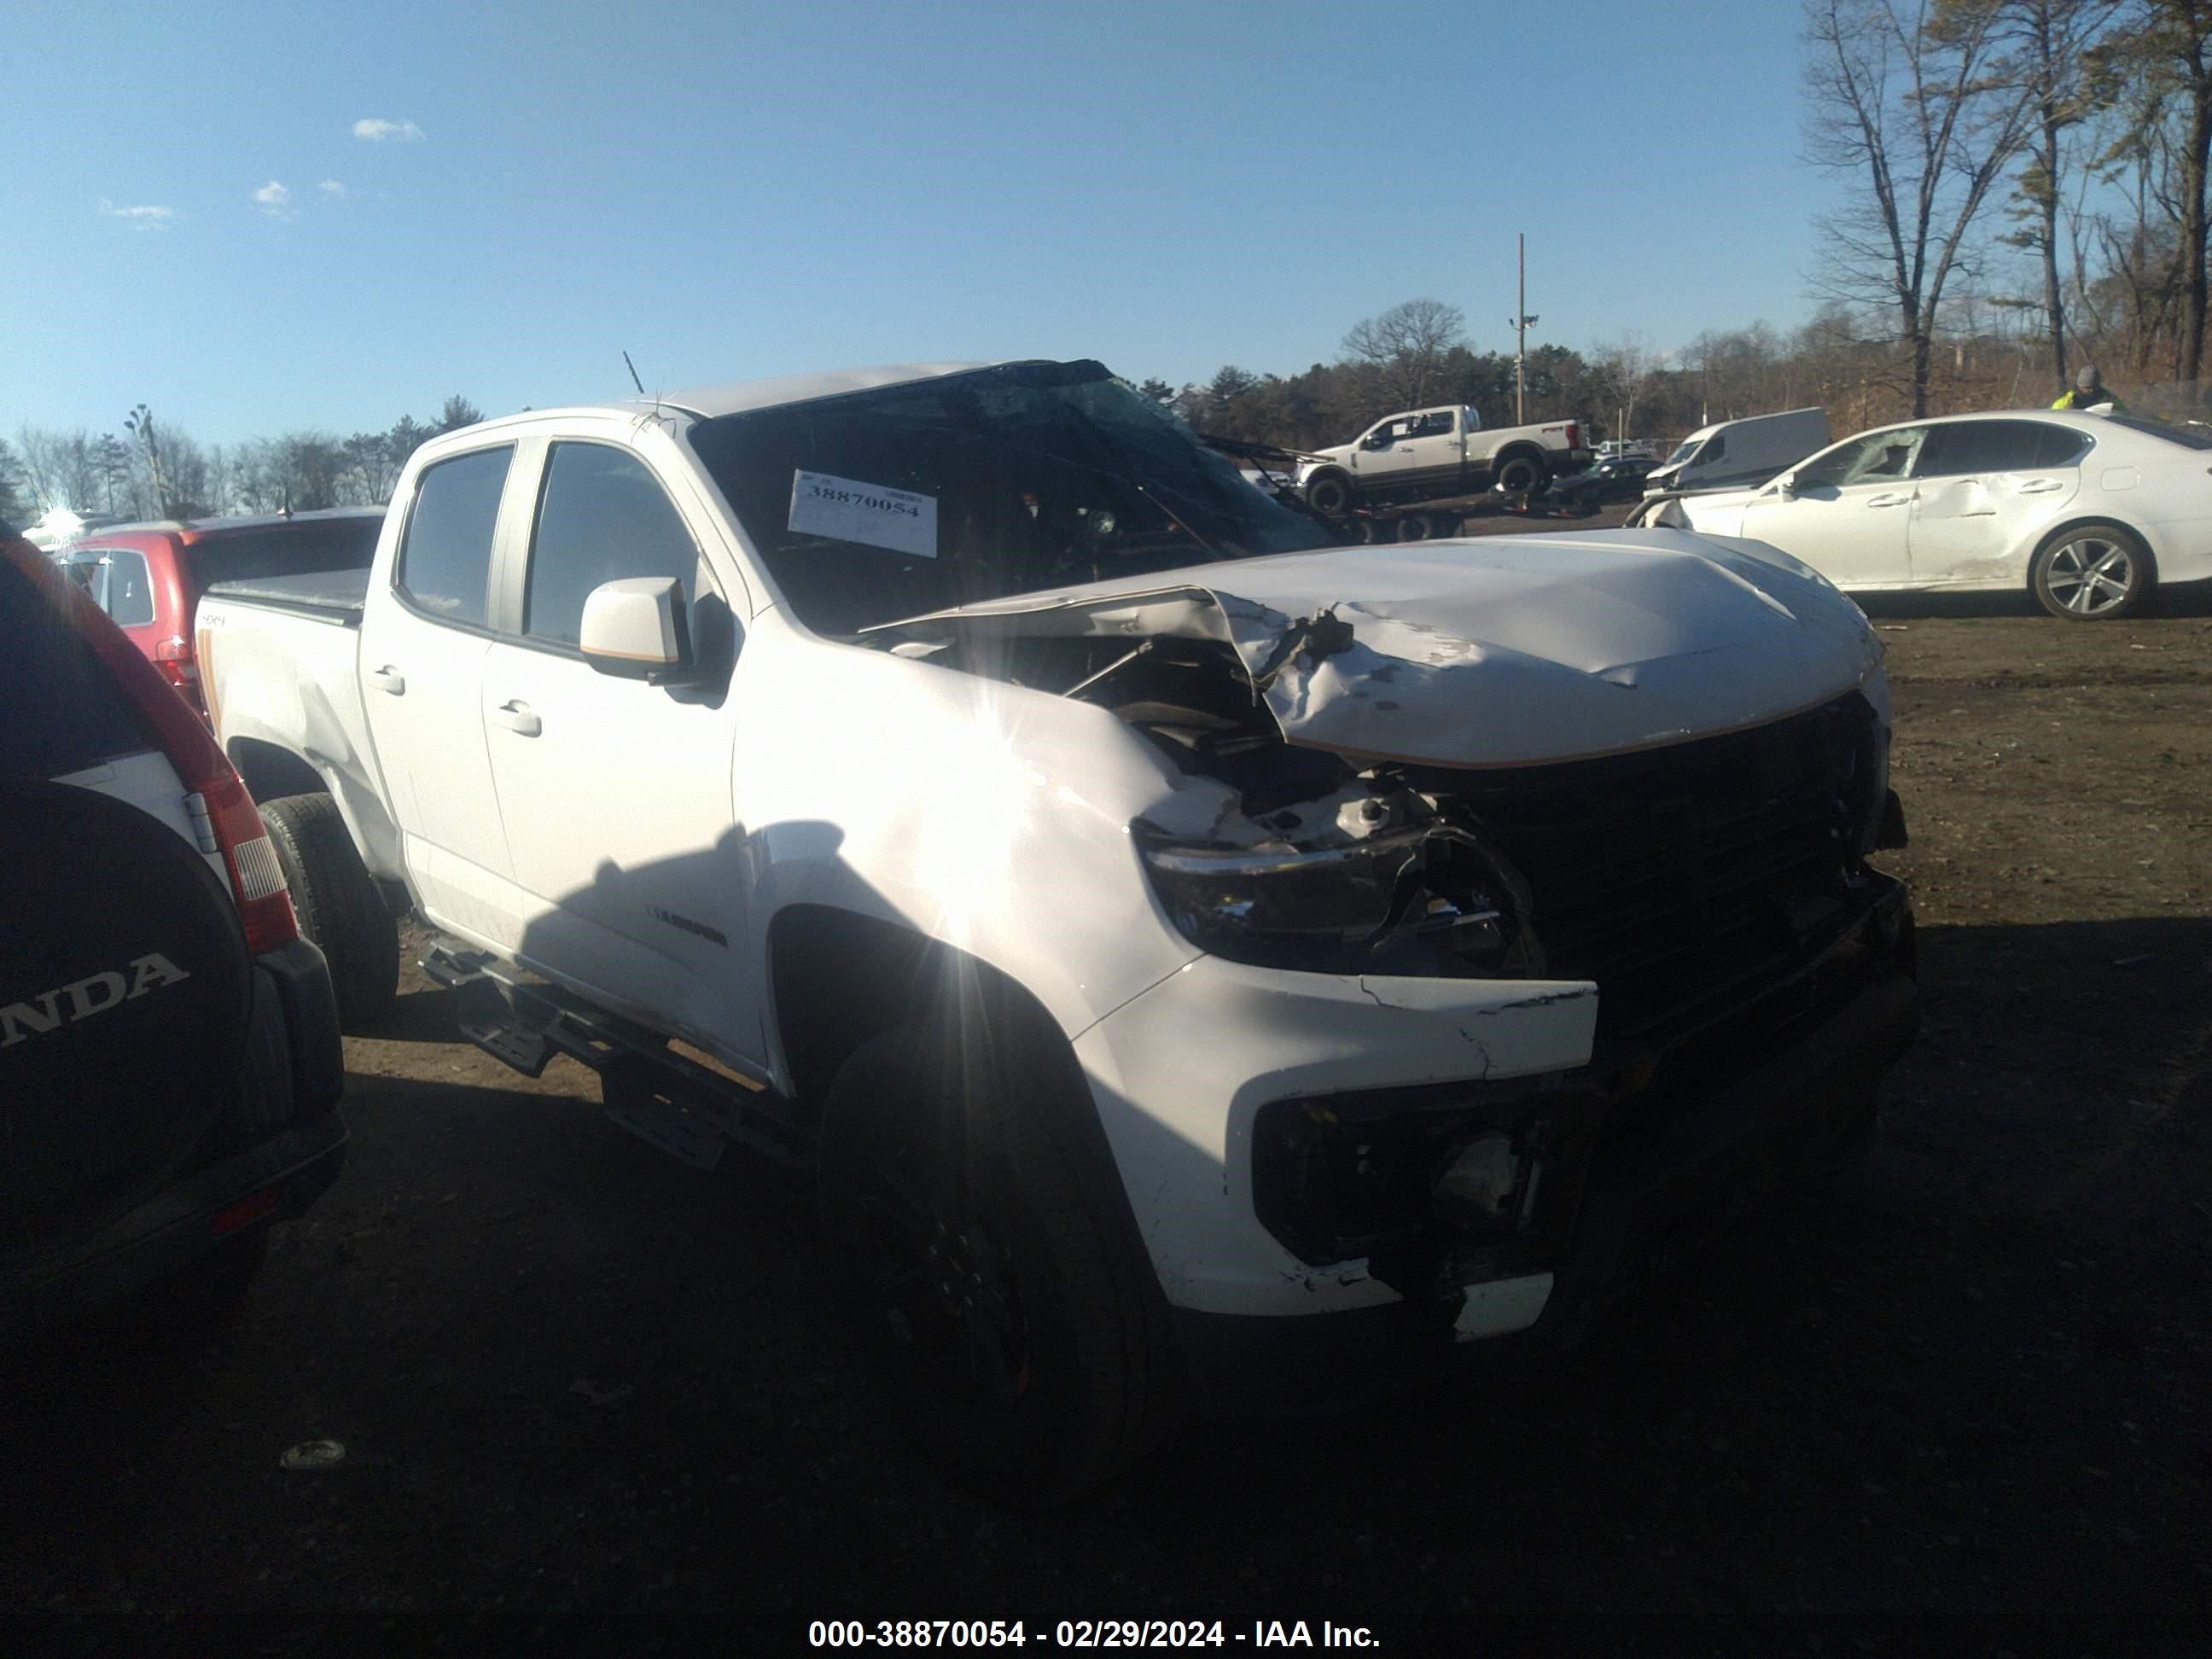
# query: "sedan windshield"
{"points": [[881, 505]]}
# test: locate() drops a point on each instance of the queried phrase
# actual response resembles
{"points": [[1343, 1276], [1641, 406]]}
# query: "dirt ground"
{"points": [[571, 1375]]}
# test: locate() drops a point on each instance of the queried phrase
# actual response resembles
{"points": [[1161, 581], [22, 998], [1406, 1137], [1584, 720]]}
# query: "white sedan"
{"points": [[2088, 512]]}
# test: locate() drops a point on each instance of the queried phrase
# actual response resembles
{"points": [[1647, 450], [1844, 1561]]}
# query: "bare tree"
{"points": [[1405, 348], [2161, 55], [1627, 367], [1921, 121], [2044, 46], [57, 466], [12, 486]]}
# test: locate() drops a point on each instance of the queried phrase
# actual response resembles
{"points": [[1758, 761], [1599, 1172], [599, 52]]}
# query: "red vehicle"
{"points": [[149, 577]]}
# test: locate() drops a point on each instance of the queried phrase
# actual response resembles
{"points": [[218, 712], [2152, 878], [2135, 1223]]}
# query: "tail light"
{"points": [[1574, 434], [223, 815], [180, 667]]}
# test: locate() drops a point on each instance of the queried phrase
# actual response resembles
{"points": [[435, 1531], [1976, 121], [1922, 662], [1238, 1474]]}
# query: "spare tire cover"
{"points": [[125, 995]]}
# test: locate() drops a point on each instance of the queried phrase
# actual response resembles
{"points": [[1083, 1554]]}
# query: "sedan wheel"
{"points": [[2093, 574]]}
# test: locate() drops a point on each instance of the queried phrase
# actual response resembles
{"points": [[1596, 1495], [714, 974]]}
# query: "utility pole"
{"points": [[1520, 326]]}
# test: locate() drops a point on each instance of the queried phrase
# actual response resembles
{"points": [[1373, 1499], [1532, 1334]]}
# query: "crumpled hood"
{"points": [[1497, 651]]}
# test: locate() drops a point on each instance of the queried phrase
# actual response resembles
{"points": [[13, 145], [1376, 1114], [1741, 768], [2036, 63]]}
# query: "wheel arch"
{"points": [[836, 977], [270, 770], [1332, 474], [1521, 449]]}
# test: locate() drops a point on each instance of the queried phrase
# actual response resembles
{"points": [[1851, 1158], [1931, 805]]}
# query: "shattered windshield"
{"points": [[886, 504]]}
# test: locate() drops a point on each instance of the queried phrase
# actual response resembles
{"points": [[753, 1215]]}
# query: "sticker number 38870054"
{"points": [[851, 511]]}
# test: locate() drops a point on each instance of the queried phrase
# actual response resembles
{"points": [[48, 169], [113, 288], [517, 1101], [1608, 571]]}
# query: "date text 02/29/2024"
{"points": [[1085, 1633]]}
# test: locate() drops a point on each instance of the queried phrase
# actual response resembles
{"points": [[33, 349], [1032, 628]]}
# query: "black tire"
{"points": [[126, 1000], [1415, 527], [990, 1264], [1521, 472], [1329, 494], [2093, 572], [341, 909]]}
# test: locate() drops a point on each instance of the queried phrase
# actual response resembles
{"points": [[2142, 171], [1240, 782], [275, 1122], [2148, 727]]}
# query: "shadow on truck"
{"points": [[943, 1118]]}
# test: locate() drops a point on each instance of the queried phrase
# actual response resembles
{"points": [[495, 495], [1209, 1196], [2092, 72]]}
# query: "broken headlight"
{"points": [[1424, 900]]}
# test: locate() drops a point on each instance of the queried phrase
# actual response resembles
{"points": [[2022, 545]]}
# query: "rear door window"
{"points": [[445, 561], [1963, 448], [2059, 445], [66, 712], [603, 516]]}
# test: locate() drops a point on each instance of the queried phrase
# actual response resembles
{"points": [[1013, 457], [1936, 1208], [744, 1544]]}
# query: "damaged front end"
{"points": [[1651, 771]]}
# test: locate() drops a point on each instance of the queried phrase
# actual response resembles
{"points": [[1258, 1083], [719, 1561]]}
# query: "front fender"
{"points": [[982, 816]]}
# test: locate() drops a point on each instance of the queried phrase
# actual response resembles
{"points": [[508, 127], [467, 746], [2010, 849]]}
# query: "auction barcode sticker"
{"points": [[850, 511]]}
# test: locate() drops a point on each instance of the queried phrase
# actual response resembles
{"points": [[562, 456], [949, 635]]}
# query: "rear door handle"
{"points": [[1887, 500], [2041, 486], [516, 716], [389, 678]]}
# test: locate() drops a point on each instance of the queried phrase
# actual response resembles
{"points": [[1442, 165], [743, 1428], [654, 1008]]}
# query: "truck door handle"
{"points": [[389, 678], [516, 716]]}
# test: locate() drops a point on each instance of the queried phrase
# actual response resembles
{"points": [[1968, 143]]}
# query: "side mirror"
{"points": [[1786, 486], [636, 630]]}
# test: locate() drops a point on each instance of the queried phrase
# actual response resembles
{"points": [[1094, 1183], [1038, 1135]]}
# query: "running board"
{"points": [[689, 1110]]}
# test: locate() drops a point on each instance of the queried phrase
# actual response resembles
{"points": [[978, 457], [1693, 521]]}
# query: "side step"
{"points": [[689, 1110]]}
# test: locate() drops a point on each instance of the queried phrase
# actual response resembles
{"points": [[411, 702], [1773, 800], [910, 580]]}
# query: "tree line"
{"points": [[2044, 157], [150, 470], [2027, 192]]}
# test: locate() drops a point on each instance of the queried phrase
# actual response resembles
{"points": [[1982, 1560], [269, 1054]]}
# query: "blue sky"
{"points": [[741, 189]]}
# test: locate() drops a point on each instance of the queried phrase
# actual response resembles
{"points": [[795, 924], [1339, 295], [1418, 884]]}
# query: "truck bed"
{"points": [[279, 664], [333, 596]]}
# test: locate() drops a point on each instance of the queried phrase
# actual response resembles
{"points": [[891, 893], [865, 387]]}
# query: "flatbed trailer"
{"points": [[1416, 521]]}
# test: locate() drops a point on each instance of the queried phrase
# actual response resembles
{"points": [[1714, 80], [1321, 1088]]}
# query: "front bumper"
{"points": [[277, 1144], [1659, 1150]]}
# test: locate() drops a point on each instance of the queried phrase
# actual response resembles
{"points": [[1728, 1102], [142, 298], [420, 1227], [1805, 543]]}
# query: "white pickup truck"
{"points": [[1203, 967], [1428, 454]]}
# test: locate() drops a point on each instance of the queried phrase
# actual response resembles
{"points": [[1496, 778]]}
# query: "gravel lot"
{"points": [[572, 1376]]}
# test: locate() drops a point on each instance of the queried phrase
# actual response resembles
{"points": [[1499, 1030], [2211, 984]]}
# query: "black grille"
{"points": [[1680, 877]]}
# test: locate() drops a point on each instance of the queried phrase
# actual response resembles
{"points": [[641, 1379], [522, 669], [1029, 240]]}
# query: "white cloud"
{"points": [[375, 130], [139, 218], [334, 189], [274, 200]]}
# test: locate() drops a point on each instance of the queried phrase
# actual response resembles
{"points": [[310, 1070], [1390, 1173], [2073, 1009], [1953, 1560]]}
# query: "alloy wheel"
{"points": [[2091, 576]]}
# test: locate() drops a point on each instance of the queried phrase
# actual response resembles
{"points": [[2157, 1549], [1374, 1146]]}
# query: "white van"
{"points": [[1740, 454]]}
